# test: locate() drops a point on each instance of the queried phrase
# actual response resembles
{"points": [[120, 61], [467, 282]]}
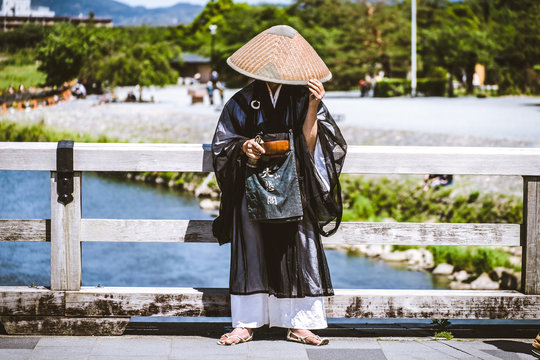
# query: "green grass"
{"points": [[404, 200], [473, 259], [446, 335], [11, 131], [14, 75]]}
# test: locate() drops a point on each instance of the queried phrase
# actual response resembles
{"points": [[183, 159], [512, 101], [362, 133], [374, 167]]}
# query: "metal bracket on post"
{"points": [[64, 171]]}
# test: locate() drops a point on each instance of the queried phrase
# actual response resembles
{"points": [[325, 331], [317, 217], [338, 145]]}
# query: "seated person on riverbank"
{"points": [[436, 180], [79, 91]]}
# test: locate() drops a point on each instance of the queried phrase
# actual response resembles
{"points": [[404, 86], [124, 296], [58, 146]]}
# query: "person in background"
{"points": [[436, 180], [131, 97], [79, 91], [210, 89], [221, 88], [362, 84]]}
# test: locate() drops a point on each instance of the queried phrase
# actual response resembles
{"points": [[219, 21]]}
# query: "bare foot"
{"points": [[235, 336], [308, 337]]}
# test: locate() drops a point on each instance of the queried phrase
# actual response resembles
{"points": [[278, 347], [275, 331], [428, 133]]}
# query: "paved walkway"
{"points": [[197, 347], [170, 341]]}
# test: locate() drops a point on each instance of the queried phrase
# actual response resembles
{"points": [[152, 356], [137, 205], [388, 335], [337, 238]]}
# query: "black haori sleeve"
{"points": [[228, 162], [324, 202]]}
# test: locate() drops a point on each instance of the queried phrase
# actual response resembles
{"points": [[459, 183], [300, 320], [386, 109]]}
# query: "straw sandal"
{"points": [[291, 336], [228, 336], [536, 346]]}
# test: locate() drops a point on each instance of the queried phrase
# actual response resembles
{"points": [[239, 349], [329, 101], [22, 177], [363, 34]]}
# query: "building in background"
{"points": [[15, 13], [195, 64], [23, 8]]}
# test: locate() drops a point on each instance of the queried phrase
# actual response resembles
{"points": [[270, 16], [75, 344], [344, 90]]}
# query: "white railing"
{"points": [[68, 308]]}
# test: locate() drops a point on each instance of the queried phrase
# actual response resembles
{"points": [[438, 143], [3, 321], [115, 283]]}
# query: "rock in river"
{"points": [[443, 269]]}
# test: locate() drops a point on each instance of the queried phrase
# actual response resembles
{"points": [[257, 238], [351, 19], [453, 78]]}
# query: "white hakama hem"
{"points": [[256, 310]]}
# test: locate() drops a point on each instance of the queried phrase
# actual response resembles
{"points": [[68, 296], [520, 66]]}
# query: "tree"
{"points": [[121, 56], [142, 64], [63, 52], [456, 42]]}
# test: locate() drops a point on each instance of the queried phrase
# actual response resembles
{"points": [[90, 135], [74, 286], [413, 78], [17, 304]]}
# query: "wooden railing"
{"points": [[69, 308]]}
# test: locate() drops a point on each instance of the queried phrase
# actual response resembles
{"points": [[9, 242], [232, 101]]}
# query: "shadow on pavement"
{"points": [[509, 346]]}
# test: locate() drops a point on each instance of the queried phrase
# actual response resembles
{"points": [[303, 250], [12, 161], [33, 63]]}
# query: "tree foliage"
{"points": [[119, 56], [354, 37]]}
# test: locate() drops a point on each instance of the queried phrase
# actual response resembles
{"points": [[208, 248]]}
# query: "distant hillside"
{"points": [[181, 13]]}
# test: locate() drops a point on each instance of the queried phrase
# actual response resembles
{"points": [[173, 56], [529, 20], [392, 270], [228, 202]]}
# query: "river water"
{"points": [[26, 195]]}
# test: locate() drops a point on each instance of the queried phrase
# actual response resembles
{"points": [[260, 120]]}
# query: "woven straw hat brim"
{"points": [[274, 80], [279, 55]]}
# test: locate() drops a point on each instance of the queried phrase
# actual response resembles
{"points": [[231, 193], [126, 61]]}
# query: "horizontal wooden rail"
{"points": [[197, 157], [347, 303], [350, 233]]}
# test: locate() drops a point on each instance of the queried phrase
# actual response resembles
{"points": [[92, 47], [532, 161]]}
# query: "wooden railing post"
{"points": [[65, 238], [530, 269]]}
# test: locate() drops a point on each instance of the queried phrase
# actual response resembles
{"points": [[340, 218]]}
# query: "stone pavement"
{"points": [[197, 347], [171, 342]]}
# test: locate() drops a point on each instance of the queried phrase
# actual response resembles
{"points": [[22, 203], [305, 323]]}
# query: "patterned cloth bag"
{"points": [[272, 190]]}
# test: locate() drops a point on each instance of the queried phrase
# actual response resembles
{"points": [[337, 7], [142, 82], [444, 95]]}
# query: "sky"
{"points": [[162, 3]]}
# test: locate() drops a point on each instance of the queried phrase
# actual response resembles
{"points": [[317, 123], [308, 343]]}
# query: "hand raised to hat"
{"points": [[316, 89]]}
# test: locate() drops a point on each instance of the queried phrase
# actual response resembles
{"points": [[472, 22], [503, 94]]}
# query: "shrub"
{"points": [[392, 87], [431, 87], [399, 87], [476, 260]]}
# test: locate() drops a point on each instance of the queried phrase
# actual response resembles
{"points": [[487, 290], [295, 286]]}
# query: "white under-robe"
{"points": [[255, 310]]}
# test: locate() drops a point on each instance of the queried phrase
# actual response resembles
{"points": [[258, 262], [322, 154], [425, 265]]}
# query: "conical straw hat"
{"points": [[280, 55]]}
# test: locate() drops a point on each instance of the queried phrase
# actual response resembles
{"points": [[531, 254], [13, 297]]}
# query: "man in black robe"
{"points": [[279, 274]]}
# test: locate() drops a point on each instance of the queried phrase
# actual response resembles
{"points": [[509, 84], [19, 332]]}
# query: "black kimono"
{"points": [[285, 260]]}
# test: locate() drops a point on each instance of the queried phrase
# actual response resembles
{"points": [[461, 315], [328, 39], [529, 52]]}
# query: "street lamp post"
{"points": [[213, 28], [413, 48]]}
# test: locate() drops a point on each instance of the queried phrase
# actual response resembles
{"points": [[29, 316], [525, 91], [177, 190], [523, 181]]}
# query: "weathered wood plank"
{"points": [[354, 233], [24, 300], [65, 238], [442, 160], [429, 304], [38, 156], [57, 325], [147, 230], [350, 233], [362, 303], [139, 301], [197, 157], [531, 235], [25, 230]]}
